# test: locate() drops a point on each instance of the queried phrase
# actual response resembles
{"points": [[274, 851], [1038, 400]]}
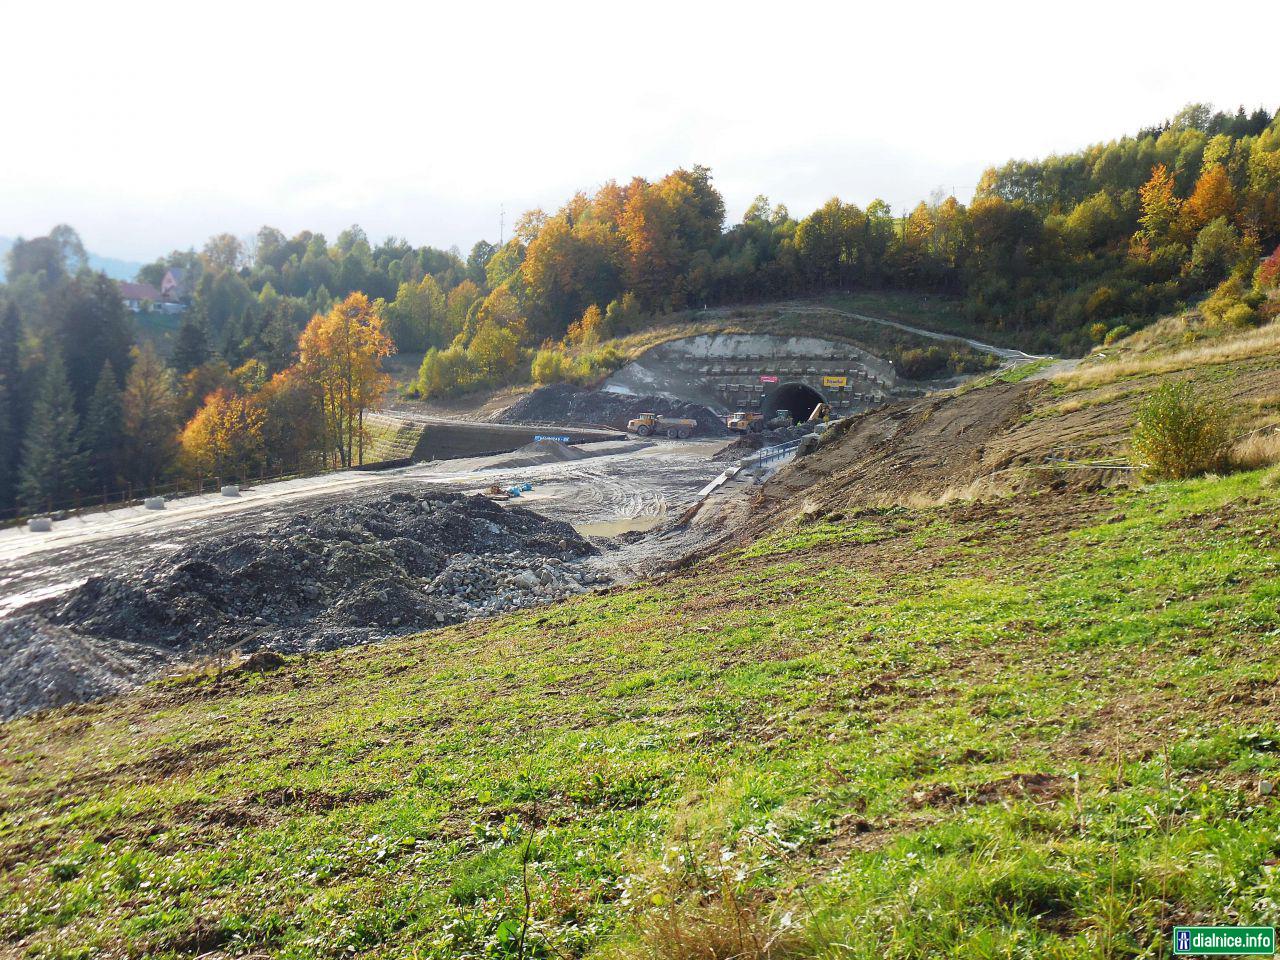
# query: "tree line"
{"points": [[1053, 254], [89, 407]]}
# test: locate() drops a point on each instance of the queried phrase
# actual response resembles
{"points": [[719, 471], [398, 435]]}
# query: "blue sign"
{"points": [[539, 436]]}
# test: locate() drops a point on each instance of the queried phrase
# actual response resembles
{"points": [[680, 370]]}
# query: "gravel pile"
{"points": [[565, 403], [343, 575]]}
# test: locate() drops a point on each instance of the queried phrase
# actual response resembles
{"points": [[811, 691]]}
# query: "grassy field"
{"points": [[1033, 728]]}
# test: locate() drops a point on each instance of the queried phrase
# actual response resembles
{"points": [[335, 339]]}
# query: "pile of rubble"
{"points": [[340, 575], [345, 574], [565, 403], [749, 443]]}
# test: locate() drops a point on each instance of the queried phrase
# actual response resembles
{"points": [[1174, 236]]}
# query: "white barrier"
{"points": [[40, 524], [154, 503], [231, 490]]}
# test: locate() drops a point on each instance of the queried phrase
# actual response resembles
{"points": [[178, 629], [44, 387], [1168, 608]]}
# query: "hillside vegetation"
{"points": [[898, 720]]}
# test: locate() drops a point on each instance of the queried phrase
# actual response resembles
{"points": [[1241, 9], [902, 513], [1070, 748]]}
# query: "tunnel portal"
{"points": [[798, 399]]}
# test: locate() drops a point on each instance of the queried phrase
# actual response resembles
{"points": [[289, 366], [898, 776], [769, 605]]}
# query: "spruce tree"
{"points": [[8, 451], [104, 430], [52, 461], [12, 403], [92, 326], [191, 348]]}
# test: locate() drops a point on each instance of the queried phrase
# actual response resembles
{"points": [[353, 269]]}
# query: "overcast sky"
{"points": [[151, 126]]}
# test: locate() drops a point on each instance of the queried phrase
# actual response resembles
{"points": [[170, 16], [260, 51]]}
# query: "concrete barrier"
{"points": [[40, 524], [154, 503], [231, 490]]}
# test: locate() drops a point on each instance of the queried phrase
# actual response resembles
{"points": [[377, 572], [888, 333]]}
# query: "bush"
{"points": [[1178, 435], [1240, 315], [1116, 333]]}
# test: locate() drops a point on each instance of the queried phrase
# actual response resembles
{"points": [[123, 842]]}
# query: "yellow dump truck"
{"points": [[744, 421], [647, 424]]}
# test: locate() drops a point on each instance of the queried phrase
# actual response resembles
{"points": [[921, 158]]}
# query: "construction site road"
{"points": [[624, 486]]}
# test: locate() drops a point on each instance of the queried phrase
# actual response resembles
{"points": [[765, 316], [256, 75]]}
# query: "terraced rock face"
{"points": [[345, 574]]}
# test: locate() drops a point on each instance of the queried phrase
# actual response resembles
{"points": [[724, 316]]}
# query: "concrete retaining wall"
{"points": [[454, 441]]}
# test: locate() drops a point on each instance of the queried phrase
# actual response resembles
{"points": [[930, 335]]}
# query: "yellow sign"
{"points": [[835, 381]]}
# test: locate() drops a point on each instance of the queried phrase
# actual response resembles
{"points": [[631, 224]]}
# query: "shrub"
{"points": [[1098, 332], [1116, 333], [1240, 315], [1178, 434]]}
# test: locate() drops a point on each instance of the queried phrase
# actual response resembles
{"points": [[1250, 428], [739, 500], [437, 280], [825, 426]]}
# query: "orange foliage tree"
{"points": [[1212, 197], [224, 438], [342, 353]]}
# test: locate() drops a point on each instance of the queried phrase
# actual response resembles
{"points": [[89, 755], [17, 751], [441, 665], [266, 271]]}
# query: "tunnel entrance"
{"points": [[798, 399]]}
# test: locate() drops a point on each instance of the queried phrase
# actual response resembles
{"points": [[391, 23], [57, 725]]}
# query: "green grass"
{"points": [[1032, 729]]}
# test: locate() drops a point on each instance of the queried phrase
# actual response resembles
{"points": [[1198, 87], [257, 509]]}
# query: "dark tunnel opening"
{"points": [[796, 398]]}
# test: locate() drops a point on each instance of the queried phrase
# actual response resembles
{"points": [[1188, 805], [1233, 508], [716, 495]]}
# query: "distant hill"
{"points": [[116, 269]]}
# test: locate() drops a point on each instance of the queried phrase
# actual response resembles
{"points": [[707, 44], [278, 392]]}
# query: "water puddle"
{"points": [[618, 526]]}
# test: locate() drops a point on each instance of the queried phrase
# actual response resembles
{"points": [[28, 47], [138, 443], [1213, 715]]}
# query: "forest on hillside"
{"points": [[1053, 254]]}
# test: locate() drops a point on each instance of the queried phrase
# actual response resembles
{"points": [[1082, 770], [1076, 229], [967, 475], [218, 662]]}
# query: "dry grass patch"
{"points": [[1256, 450], [1262, 342]]}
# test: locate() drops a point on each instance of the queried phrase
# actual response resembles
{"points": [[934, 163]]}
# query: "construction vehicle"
{"points": [[821, 413], [653, 423], [780, 420], [744, 421]]}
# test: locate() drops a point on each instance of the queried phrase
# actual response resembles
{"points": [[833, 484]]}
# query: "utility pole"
{"points": [[502, 225]]}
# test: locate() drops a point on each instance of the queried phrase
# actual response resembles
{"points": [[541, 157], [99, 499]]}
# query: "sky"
{"points": [[152, 126]]}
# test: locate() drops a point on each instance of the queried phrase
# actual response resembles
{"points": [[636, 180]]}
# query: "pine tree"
{"points": [[12, 403], [104, 430], [191, 349], [8, 453], [52, 461]]}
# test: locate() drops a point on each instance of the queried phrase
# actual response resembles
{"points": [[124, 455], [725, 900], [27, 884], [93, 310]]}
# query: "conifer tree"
{"points": [[104, 430], [52, 461], [191, 348], [11, 403]]}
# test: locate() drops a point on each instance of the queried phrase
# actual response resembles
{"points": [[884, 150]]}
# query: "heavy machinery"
{"points": [[744, 421], [780, 420], [821, 413], [654, 423]]}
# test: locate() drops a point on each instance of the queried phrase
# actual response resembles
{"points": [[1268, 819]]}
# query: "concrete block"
{"points": [[154, 503], [40, 524], [231, 490]]}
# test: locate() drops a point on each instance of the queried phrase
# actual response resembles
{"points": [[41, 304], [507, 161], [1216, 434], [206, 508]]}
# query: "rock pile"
{"points": [[344, 574], [565, 403]]}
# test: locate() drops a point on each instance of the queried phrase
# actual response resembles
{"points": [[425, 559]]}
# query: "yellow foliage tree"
{"points": [[224, 438], [342, 353], [587, 331], [1160, 206]]}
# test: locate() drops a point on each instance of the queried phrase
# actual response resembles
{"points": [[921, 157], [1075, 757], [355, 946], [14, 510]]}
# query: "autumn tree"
{"points": [[224, 438], [1160, 206], [587, 331], [1212, 198], [293, 424], [150, 418], [342, 353]]}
